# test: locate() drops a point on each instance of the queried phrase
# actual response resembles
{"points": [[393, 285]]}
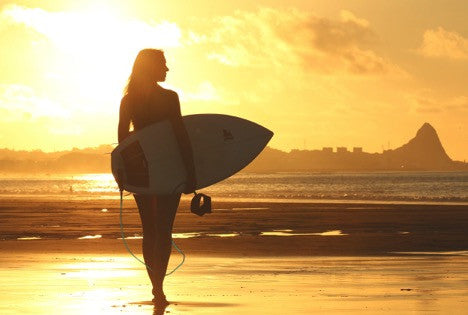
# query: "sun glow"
{"points": [[96, 45]]}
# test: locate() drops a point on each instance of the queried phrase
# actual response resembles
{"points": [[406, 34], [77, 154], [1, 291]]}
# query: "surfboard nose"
{"points": [[223, 145]]}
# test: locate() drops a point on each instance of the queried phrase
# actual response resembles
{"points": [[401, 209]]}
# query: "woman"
{"points": [[144, 103]]}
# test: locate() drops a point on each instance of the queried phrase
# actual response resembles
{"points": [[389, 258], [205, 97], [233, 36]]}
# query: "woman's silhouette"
{"points": [[146, 102]]}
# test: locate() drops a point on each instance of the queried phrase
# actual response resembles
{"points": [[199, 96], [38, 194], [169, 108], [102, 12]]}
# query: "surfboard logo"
{"points": [[227, 135]]}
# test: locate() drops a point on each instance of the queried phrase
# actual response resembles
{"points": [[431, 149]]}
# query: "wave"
{"points": [[397, 187]]}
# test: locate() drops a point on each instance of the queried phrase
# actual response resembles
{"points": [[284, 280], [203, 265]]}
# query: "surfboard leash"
{"points": [[128, 249]]}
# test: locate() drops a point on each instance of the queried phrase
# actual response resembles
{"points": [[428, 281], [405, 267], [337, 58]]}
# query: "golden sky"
{"points": [[317, 73]]}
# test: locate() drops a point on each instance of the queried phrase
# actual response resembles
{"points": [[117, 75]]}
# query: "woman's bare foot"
{"points": [[160, 299]]}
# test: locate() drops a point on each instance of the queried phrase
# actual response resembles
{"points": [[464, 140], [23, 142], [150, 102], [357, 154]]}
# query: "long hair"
{"points": [[147, 64]]}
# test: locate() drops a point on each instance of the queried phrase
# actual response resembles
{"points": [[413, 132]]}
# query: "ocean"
{"points": [[438, 187]]}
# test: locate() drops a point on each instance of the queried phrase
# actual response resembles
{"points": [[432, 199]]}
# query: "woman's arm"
{"points": [[124, 121], [184, 145]]}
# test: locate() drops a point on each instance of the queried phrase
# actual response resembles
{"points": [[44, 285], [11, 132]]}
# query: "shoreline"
{"points": [[129, 196]]}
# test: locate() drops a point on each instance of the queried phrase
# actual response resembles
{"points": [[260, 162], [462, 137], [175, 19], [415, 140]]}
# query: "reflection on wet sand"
{"points": [[90, 237], [174, 235], [98, 284], [134, 237], [450, 253], [290, 233], [331, 233], [97, 269], [222, 234], [185, 235], [30, 238]]}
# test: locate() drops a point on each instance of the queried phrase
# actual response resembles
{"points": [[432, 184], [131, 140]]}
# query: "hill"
{"points": [[424, 152]]}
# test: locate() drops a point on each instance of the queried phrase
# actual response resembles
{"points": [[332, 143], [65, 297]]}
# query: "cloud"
{"points": [[442, 43], [458, 103], [271, 38], [205, 92], [426, 102], [73, 31], [93, 40], [347, 16], [19, 103], [84, 54], [66, 130]]}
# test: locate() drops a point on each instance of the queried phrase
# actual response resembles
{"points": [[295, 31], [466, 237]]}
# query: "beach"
{"points": [[63, 255], [331, 137]]}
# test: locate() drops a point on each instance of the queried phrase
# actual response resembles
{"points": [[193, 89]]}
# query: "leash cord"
{"points": [[128, 249]]}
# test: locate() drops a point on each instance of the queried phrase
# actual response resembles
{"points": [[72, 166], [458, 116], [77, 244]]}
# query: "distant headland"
{"points": [[422, 153]]}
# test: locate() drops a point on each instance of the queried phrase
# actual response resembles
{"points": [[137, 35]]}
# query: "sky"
{"points": [[317, 73]]}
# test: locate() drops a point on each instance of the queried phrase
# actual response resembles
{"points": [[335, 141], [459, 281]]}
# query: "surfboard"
{"points": [[149, 161]]}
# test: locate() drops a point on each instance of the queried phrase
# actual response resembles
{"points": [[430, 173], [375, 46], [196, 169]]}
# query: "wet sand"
{"points": [[115, 284], [333, 258]]}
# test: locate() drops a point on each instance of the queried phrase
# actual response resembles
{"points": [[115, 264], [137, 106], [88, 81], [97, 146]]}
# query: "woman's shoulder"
{"points": [[166, 92]]}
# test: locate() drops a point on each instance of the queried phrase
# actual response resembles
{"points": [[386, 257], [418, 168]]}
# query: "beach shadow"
{"points": [[156, 310]]}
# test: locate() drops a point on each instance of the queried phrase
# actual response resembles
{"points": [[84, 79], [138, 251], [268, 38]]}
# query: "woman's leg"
{"points": [[157, 215], [164, 220]]}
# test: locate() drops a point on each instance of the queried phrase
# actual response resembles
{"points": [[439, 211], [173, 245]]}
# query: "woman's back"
{"points": [[161, 104]]}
